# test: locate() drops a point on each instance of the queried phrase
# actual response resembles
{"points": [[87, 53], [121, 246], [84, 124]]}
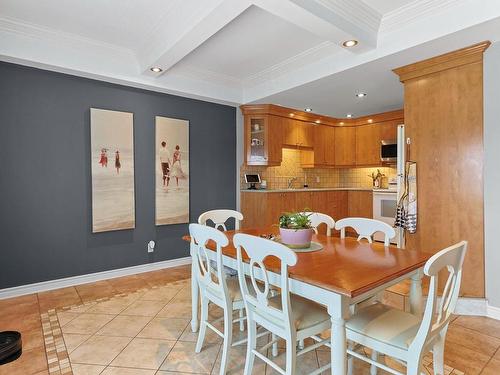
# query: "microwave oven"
{"points": [[389, 151]]}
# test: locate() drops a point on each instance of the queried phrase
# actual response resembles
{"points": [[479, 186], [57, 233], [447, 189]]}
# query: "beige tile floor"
{"points": [[148, 332]]}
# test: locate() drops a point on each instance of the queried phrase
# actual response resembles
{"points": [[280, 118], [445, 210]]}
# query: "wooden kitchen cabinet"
{"points": [[264, 209], [297, 133], [263, 139], [360, 204], [323, 152], [337, 204], [389, 130], [345, 146], [368, 145]]}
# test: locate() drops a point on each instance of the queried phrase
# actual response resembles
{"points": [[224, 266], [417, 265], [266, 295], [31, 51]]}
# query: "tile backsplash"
{"points": [[277, 177]]}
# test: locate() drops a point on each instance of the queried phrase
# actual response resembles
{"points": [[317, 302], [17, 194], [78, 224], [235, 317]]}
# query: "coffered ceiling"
{"points": [[240, 51]]}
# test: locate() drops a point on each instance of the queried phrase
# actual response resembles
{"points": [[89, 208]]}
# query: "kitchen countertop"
{"points": [[303, 189]]}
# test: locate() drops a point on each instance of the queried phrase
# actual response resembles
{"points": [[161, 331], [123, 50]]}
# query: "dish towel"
{"points": [[406, 212]]}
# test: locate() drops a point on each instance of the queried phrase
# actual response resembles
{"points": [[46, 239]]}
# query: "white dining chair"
{"points": [[365, 228], [406, 337], [220, 217], [215, 287], [318, 218], [286, 315]]}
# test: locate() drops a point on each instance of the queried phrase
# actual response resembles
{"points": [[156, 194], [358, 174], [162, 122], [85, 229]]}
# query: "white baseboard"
{"points": [[477, 307], [90, 278], [493, 312]]}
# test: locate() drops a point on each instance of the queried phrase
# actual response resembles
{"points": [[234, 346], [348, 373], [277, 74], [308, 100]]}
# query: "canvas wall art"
{"points": [[112, 152], [172, 171]]}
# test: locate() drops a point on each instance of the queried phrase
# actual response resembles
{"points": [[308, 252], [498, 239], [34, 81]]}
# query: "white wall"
{"points": [[239, 153], [492, 172]]}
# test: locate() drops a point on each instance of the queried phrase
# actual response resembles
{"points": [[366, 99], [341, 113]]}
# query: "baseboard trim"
{"points": [[493, 312], [90, 278], [477, 307]]}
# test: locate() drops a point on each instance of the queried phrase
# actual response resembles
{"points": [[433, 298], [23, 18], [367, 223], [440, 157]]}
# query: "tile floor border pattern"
{"points": [[55, 348], [58, 357]]}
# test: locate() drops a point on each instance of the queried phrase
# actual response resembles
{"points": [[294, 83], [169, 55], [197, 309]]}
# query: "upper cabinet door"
{"points": [[297, 133], [345, 146], [263, 139], [305, 133], [368, 144], [329, 145], [389, 130], [290, 130]]}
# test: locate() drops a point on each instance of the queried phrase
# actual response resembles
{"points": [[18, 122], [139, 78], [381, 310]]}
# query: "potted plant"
{"points": [[295, 230]]}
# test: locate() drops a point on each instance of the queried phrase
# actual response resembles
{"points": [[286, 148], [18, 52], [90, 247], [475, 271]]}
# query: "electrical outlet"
{"points": [[151, 246]]}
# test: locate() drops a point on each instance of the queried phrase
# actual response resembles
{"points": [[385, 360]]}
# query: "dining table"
{"points": [[340, 274]]}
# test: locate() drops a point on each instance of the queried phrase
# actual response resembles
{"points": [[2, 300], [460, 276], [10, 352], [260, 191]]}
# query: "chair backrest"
{"points": [[219, 218], [205, 272], [437, 314], [273, 317], [318, 218], [365, 228]]}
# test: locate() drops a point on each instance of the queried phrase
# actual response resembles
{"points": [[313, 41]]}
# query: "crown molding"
{"points": [[41, 33], [463, 56], [355, 11], [286, 65], [413, 12]]}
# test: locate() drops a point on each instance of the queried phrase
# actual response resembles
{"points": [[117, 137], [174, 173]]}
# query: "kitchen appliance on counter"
{"points": [[253, 180]]}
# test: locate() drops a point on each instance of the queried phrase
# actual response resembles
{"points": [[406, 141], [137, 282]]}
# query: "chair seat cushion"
{"points": [[233, 287], [385, 324], [305, 313]]}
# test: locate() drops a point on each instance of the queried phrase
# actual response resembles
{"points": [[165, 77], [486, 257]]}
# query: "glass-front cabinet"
{"points": [[263, 139]]}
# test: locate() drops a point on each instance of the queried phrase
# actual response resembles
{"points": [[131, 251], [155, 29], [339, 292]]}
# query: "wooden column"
{"points": [[443, 110]]}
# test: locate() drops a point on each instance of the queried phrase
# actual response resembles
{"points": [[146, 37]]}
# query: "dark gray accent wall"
{"points": [[45, 185]]}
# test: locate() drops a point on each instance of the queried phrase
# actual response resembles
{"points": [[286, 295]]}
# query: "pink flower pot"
{"points": [[296, 238]]}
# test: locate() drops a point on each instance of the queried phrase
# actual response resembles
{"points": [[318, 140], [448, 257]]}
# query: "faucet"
{"points": [[290, 182]]}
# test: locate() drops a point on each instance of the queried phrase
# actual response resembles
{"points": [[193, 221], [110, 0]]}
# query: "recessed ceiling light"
{"points": [[361, 94], [370, 120], [341, 123], [317, 122], [350, 43], [308, 109], [156, 69], [349, 115], [292, 114]]}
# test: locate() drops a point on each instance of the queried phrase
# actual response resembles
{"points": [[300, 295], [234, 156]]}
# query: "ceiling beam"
{"points": [[193, 24]]}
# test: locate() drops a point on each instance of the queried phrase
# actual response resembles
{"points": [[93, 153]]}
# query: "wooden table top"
{"points": [[346, 266]]}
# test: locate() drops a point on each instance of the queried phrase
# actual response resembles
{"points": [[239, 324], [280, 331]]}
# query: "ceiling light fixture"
{"points": [[317, 122], [370, 120], [308, 109], [292, 114], [341, 123], [349, 115], [350, 43], [156, 69], [361, 94]]}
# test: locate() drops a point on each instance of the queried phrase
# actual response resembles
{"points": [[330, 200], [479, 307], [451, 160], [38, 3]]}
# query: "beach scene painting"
{"points": [[172, 171], [112, 155]]}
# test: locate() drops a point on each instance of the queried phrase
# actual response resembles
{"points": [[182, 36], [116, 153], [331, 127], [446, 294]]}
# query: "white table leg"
{"points": [[339, 312], [194, 297], [416, 299]]}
